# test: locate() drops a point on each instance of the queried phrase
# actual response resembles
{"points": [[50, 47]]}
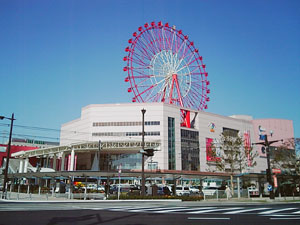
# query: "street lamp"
{"points": [[267, 144], [143, 149], [8, 152]]}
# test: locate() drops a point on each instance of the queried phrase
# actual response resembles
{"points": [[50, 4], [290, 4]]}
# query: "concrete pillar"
{"points": [[47, 162], [54, 162], [238, 186], [72, 160], [62, 162], [21, 166], [26, 165]]}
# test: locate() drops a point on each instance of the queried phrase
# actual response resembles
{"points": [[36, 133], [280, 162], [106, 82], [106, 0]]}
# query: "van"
{"points": [[182, 191]]}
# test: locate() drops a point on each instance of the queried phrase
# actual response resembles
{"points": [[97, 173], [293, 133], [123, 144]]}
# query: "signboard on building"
{"points": [[276, 170]]}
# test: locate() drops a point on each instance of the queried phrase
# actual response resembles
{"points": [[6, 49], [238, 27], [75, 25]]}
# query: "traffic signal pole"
{"points": [[269, 171], [143, 149], [7, 154], [267, 144]]}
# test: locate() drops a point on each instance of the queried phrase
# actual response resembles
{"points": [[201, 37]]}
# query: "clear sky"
{"points": [[59, 56]]}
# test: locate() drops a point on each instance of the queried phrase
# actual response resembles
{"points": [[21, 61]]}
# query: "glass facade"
{"points": [[171, 144], [111, 162], [190, 150]]}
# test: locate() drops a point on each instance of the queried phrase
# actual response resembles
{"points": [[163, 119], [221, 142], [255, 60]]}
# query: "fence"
{"points": [[52, 196]]}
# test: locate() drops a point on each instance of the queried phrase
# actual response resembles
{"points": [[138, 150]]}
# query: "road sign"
{"points": [[270, 188]]}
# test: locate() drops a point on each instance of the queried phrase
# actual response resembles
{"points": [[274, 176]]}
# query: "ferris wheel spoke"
{"points": [[189, 57], [152, 40], [140, 57], [163, 38], [187, 65], [189, 73], [144, 91], [139, 62], [187, 62], [145, 47]]}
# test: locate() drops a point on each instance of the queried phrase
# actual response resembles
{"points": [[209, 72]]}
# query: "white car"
{"points": [[182, 190], [253, 191], [194, 190]]}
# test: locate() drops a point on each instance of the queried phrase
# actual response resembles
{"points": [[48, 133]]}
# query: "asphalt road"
{"points": [[154, 213]]}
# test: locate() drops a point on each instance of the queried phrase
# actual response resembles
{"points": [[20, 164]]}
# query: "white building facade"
{"points": [[183, 145]]}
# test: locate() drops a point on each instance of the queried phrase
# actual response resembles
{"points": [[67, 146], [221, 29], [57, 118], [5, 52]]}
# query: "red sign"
{"points": [[276, 170], [275, 181]]}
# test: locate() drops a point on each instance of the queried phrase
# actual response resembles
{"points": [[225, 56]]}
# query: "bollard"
{"points": [[47, 196], [217, 195]]}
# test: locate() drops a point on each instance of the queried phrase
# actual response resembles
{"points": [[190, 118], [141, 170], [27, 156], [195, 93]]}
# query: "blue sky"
{"points": [[59, 56]]}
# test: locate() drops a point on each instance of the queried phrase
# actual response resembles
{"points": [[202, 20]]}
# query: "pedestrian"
{"points": [[228, 192]]}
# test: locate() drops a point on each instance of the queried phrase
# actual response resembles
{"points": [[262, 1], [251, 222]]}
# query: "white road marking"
{"points": [[213, 210], [208, 218], [154, 209], [176, 210], [290, 218], [245, 210], [276, 210]]}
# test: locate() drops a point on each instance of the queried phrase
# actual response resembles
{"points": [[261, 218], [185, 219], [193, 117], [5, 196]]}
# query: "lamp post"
{"points": [[143, 149], [267, 144], [7, 152]]}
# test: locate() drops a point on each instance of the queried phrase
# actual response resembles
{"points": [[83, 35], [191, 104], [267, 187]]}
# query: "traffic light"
{"points": [[148, 152]]}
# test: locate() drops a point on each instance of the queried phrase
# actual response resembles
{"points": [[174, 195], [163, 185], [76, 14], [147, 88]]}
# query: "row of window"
{"points": [[123, 134], [128, 123]]}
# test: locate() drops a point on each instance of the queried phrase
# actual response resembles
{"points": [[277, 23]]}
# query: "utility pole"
{"points": [[143, 149], [267, 144], [7, 153]]}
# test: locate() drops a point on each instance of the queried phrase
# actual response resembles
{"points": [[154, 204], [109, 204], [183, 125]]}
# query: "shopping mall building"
{"points": [[182, 144]]}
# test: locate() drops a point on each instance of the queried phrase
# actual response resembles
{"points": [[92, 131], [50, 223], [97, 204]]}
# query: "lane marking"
{"points": [[275, 210], [208, 218], [245, 210], [128, 208], [213, 210], [187, 209], [154, 209], [298, 212], [290, 218]]}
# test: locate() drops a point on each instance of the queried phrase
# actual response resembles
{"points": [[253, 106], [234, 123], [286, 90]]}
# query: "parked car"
{"points": [[182, 191], [253, 191], [194, 190]]}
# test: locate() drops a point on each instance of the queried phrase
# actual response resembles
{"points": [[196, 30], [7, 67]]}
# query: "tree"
{"points": [[285, 156], [234, 156]]}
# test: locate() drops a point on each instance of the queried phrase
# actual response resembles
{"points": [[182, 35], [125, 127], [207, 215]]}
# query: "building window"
{"points": [[190, 159], [152, 165], [171, 143], [230, 132], [125, 124], [122, 134]]}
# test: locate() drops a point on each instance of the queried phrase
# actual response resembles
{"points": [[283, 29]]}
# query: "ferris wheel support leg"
{"points": [[174, 79]]}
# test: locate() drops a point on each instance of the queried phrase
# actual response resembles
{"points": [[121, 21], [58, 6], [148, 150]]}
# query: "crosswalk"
{"points": [[264, 211]]}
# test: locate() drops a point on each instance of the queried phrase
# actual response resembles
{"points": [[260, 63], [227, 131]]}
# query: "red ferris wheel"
{"points": [[163, 65]]}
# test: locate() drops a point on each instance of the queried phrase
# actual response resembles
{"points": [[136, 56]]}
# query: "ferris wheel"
{"points": [[163, 65]]}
